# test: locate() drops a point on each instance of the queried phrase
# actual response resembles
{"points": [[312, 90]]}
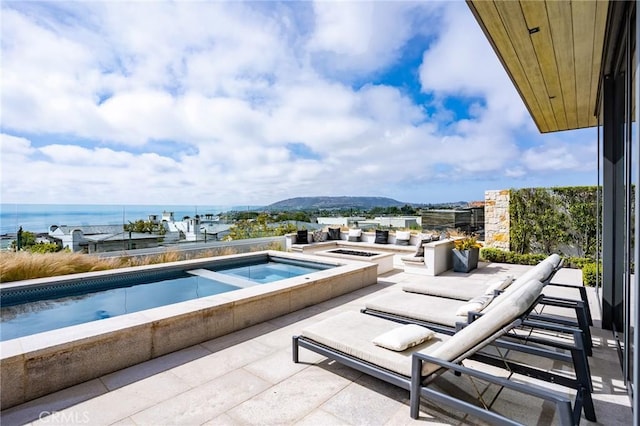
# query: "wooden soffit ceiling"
{"points": [[552, 51]]}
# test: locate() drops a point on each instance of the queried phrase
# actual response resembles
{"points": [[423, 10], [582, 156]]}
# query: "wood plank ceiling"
{"points": [[552, 52]]}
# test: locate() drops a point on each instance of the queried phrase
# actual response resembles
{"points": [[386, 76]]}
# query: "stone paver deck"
{"points": [[248, 378]]}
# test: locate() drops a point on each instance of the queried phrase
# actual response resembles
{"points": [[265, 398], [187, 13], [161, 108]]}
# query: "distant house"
{"points": [[100, 238], [187, 229], [468, 220], [214, 231], [341, 221]]}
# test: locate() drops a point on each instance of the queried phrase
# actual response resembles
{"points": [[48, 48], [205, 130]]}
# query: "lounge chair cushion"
{"points": [[490, 325], [451, 287], [437, 310], [554, 259], [477, 304], [498, 285], [403, 337], [382, 237], [353, 332], [333, 234]]}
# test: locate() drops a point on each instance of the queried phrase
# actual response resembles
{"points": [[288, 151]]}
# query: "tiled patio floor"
{"points": [[248, 378]]}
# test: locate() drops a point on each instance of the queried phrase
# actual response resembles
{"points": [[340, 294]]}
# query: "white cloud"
{"points": [[95, 97]]}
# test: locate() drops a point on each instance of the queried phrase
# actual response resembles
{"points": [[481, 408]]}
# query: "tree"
{"points": [[145, 226], [24, 240]]}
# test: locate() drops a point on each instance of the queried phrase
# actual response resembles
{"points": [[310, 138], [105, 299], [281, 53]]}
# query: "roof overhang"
{"points": [[552, 51]]}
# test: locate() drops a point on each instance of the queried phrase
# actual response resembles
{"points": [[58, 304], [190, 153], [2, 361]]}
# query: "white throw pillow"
{"points": [[403, 235], [403, 337], [499, 285], [477, 304], [355, 232]]}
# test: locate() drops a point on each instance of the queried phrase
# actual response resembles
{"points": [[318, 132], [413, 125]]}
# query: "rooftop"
{"points": [[248, 377]]}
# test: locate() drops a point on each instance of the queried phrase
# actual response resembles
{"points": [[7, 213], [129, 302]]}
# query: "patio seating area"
{"points": [[248, 377]]}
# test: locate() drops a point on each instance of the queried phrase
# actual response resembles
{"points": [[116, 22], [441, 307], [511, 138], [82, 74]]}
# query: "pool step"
{"points": [[223, 278]]}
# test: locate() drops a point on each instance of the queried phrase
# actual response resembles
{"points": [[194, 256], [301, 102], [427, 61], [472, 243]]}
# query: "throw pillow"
{"points": [[403, 337], [334, 234], [420, 247], [302, 237], [402, 238], [319, 236], [500, 284], [382, 237], [354, 235], [477, 304]]}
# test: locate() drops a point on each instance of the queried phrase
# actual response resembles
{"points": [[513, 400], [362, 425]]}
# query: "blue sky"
{"points": [[231, 103]]}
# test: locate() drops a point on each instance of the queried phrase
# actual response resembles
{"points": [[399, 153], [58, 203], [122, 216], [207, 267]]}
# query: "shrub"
{"points": [[590, 274], [502, 256], [43, 248]]}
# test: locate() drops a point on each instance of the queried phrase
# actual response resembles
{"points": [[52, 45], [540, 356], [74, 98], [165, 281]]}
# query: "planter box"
{"points": [[465, 260]]}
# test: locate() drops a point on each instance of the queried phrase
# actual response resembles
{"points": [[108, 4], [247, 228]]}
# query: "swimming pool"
{"points": [[28, 311], [42, 363]]}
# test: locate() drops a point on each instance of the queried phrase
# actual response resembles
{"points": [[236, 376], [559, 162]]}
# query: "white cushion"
{"points": [[500, 284], [355, 232], [476, 304], [401, 338], [403, 235]]}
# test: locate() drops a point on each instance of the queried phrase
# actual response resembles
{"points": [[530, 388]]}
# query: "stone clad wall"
{"points": [[496, 219]]}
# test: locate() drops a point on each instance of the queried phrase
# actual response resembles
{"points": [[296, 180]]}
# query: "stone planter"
{"points": [[465, 260]]}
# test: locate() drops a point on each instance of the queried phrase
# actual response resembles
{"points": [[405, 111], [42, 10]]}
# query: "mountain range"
{"points": [[343, 202]]}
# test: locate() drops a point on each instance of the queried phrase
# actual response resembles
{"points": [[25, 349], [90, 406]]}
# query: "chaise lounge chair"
{"points": [[430, 304], [348, 338]]}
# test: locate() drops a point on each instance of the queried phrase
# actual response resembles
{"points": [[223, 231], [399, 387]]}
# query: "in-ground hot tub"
{"points": [[38, 364], [384, 261]]}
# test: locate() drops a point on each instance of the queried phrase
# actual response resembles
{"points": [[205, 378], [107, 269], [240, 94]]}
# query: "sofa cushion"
{"points": [[302, 237], [333, 234], [382, 237]]}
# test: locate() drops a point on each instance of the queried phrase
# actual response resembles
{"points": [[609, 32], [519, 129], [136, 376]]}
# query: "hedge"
{"points": [[588, 266]]}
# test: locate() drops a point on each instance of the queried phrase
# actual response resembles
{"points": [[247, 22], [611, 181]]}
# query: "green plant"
{"points": [[590, 274], [44, 248], [467, 243], [502, 256]]}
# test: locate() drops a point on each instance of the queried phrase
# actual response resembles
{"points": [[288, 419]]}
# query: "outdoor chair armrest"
{"points": [[581, 289]]}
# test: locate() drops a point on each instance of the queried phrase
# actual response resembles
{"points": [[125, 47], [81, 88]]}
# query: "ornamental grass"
{"points": [[23, 265]]}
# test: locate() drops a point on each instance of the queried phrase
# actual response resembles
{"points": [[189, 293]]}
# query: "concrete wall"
{"points": [[496, 219]]}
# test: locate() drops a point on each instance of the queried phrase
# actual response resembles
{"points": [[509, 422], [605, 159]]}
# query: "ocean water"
{"points": [[39, 217]]}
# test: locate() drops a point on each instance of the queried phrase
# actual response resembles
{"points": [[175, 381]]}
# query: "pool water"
{"points": [[268, 272], [43, 312]]}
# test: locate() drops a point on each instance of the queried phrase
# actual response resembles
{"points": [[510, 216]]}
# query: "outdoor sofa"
{"points": [[349, 338]]}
